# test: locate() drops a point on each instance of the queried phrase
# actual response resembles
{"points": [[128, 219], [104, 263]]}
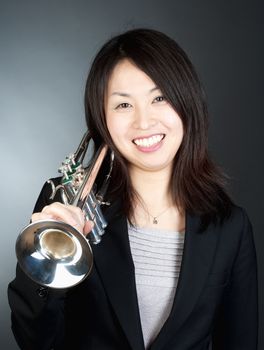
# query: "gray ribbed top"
{"points": [[157, 256]]}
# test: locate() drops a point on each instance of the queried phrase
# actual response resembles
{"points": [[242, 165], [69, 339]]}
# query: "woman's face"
{"points": [[144, 127]]}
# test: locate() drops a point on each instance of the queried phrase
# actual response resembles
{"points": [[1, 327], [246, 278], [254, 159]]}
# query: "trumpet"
{"points": [[53, 253]]}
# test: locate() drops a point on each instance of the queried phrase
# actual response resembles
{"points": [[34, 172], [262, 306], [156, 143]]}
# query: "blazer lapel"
{"points": [[114, 263], [198, 254]]}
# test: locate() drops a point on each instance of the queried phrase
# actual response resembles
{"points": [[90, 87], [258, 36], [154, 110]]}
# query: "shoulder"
{"points": [[236, 229], [234, 240], [237, 218], [44, 197], [228, 230], [46, 189]]}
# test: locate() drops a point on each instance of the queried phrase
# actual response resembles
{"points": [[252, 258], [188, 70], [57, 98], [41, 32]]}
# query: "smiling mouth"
{"points": [[148, 141]]}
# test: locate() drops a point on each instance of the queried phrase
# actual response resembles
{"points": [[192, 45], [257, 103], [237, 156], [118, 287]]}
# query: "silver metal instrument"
{"points": [[53, 253]]}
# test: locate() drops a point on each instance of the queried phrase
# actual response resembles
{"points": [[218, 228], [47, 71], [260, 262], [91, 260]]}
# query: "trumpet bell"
{"points": [[54, 254]]}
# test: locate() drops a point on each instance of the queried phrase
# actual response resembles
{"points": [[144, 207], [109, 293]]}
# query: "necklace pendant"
{"points": [[155, 221]]}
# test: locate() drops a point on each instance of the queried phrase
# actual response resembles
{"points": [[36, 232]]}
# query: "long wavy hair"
{"points": [[197, 185]]}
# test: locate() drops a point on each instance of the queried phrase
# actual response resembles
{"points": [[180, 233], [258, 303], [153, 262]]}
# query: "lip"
{"points": [[149, 143]]}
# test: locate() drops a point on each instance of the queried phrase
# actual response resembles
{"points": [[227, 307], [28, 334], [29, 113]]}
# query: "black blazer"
{"points": [[216, 297]]}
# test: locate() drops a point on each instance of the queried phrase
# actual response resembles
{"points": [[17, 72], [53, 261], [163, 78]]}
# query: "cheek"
{"points": [[111, 126], [118, 125], [116, 130], [174, 122]]}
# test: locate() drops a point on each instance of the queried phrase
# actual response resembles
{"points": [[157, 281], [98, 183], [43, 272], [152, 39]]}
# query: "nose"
{"points": [[144, 118]]}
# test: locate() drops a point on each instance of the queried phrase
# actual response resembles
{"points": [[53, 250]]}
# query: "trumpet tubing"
{"points": [[53, 253]]}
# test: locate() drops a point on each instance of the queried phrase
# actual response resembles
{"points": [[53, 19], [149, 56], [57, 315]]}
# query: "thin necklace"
{"points": [[155, 218]]}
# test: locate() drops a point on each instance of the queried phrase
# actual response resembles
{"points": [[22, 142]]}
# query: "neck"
{"points": [[155, 207], [152, 187]]}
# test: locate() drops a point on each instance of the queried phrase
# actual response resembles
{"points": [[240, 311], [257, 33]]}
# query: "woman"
{"points": [[176, 268]]}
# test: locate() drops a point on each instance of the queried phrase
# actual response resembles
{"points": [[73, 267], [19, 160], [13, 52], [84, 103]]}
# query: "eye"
{"points": [[159, 99], [123, 105]]}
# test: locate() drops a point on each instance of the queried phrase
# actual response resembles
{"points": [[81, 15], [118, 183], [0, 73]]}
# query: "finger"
{"points": [[41, 216], [69, 214], [88, 226]]}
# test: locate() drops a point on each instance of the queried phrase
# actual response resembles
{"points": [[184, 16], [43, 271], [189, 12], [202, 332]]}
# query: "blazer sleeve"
{"points": [[237, 321], [37, 312]]}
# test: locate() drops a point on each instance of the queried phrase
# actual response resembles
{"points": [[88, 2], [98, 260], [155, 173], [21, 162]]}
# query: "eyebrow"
{"points": [[123, 94]]}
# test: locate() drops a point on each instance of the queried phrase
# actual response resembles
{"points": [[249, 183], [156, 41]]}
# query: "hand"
{"points": [[71, 215]]}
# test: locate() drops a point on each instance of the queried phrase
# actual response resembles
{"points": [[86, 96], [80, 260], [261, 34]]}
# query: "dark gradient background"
{"points": [[45, 51]]}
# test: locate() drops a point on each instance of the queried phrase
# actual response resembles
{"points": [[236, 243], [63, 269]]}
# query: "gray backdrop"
{"points": [[45, 51]]}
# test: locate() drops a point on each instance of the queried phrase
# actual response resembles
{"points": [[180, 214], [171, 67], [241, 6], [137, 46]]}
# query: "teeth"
{"points": [[148, 142]]}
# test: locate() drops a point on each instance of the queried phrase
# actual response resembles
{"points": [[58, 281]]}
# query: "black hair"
{"points": [[197, 185]]}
